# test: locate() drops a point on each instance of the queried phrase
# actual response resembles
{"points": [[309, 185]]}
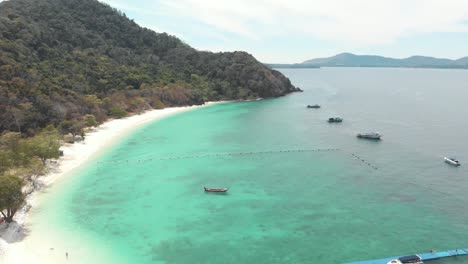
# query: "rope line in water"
{"points": [[364, 161], [219, 155]]}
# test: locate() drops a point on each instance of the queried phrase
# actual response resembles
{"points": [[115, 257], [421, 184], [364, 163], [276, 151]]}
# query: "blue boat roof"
{"points": [[424, 256]]}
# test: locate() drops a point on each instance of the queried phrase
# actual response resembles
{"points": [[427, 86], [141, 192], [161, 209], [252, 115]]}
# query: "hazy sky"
{"points": [[297, 30]]}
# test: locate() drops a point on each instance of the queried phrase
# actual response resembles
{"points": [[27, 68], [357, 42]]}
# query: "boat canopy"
{"points": [[410, 259]]}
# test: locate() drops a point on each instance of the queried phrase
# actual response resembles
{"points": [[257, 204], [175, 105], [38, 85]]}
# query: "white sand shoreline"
{"points": [[13, 249]]}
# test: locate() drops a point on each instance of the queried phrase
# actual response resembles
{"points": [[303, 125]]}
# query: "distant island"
{"points": [[353, 60]]}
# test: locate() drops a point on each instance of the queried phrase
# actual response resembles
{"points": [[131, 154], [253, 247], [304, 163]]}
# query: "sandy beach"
{"points": [[18, 242]]}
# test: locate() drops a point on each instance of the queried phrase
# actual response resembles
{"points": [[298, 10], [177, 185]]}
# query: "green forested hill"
{"points": [[353, 60], [63, 59]]}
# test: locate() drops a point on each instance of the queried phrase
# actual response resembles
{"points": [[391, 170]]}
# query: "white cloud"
{"points": [[350, 22], [140, 9]]}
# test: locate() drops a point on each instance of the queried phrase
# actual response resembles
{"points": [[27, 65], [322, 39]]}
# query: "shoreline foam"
{"points": [[18, 247]]}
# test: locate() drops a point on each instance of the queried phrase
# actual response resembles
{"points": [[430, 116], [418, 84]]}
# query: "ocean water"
{"points": [[301, 190]]}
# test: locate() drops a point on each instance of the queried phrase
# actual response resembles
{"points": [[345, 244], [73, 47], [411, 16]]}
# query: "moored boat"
{"points": [[335, 120], [313, 106], [413, 259], [370, 135], [217, 190], [452, 161]]}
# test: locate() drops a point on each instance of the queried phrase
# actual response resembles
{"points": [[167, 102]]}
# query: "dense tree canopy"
{"points": [[11, 196], [22, 161], [61, 60], [21, 156]]}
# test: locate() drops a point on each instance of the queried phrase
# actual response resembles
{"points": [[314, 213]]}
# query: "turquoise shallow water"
{"points": [[143, 198]]}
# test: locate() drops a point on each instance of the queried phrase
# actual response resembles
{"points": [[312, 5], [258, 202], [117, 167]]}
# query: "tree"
{"points": [[117, 112], [75, 127], [11, 196], [11, 151], [138, 105], [92, 99], [45, 145], [11, 141], [90, 121]]}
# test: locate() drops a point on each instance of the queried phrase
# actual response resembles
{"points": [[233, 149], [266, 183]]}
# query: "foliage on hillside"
{"points": [[11, 196], [27, 156], [22, 161], [61, 60]]}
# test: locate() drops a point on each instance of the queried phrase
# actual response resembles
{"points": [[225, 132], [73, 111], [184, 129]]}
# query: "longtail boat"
{"points": [[217, 190]]}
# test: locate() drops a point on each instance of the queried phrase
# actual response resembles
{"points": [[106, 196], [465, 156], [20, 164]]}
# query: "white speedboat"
{"points": [[413, 259], [370, 135], [452, 161]]}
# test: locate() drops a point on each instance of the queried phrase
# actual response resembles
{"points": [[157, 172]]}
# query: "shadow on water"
{"points": [[217, 193]]}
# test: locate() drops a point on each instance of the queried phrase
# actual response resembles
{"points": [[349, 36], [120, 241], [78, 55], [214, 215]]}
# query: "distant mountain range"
{"points": [[295, 65], [353, 60]]}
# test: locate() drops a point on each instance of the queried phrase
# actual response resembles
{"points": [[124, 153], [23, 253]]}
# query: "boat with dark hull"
{"points": [[216, 190], [335, 120], [413, 259], [316, 106]]}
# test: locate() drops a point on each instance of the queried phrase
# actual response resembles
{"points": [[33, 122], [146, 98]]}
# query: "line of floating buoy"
{"points": [[364, 161], [220, 155]]}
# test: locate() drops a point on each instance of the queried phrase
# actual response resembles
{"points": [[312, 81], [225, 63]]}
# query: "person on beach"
{"points": [[66, 255]]}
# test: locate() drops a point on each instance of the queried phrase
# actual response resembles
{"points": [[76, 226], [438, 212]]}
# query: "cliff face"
{"points": [[62, 59]]}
